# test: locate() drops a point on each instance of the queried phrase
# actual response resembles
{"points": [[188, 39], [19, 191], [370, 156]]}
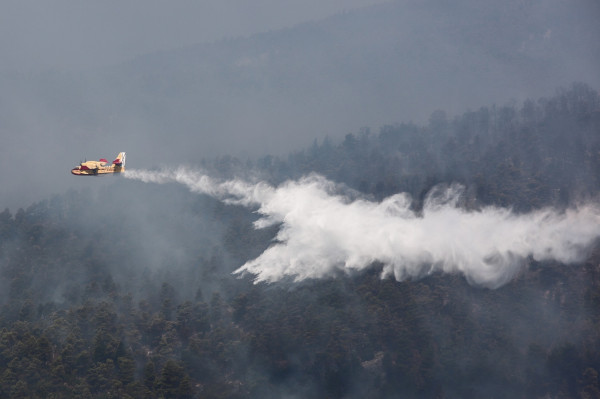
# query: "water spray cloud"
{"points": [[323, 232]]}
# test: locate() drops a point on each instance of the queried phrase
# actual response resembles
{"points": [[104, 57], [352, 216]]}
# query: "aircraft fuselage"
{"points": [[101, 167]]}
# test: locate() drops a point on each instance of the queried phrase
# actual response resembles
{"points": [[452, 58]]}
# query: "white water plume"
{"points": [[323, 232]]}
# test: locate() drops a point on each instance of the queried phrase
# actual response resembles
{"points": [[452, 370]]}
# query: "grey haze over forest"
{"points": [[171, 83], [283, 229]]}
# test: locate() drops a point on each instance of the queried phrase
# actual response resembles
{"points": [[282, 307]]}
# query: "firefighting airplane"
{"points": [[101, 167]]}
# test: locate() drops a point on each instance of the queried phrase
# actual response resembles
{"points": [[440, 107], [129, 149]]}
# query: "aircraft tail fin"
{"points": [[119, 162]]}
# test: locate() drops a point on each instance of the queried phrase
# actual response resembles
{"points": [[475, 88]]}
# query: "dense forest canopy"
{"points": [[129, 292]]}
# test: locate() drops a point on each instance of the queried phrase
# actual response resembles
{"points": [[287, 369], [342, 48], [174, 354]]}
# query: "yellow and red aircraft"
{"points": [[101, 167]]}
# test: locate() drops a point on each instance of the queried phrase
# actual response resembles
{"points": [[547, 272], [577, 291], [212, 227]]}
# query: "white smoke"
{"points": [[323, 232]]}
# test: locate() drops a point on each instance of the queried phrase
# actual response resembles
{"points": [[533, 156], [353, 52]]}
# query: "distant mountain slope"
{"points": [[397, 61]]}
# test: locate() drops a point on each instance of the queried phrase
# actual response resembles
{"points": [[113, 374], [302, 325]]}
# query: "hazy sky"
{"points": [[63, 36], [75, 84], [82, 34]]}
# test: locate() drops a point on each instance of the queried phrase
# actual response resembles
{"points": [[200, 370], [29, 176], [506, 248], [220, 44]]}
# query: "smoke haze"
{"points": [[67, 35], [370, 165], [184, 80], [323, 232]]}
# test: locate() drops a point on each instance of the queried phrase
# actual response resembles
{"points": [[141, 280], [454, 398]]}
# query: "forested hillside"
{"points": [[539, 153], [129, 292]]}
